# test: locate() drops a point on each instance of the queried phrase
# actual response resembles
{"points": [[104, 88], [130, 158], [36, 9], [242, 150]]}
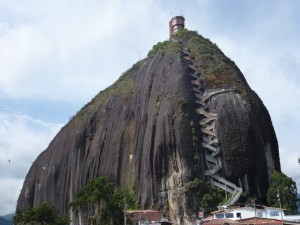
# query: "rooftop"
{"points": [[149, 215]]}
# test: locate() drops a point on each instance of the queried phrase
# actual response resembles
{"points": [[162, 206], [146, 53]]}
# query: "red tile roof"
{"points": [[219, 221], [150, 215], [263, 221]]}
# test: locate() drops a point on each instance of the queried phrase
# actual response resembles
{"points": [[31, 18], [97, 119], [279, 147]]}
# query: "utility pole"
{"points": [[125, 211], [278, 196], [255, 212]]}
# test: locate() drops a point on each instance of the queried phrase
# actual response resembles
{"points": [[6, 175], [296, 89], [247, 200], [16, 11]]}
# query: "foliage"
{"points": [[105, 205], [44, 213], [195, 187], [287, 190], [208, 196], [212, 198], [249, 198], [162, 47], [123, 87], [217, 70]]}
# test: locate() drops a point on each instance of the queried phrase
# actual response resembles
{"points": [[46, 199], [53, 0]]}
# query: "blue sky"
{"points": [[56, 55]]}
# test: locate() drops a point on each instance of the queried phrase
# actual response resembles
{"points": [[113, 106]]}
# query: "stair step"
{"points": [[197, 82], [208, 132], [214, 154], [214, 170], [208, 139], [200, 102], [210, 147], [210, 127], [206, 120], [197, 90], [211, 159], [206, 114], [198, 96], [222, 180], [185, 52], [223, 187], [194, 75], [192, 66], [213, 141], [188, 58]]}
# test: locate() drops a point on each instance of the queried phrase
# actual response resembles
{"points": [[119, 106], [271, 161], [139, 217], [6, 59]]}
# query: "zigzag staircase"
{"points": [[210, 139]]}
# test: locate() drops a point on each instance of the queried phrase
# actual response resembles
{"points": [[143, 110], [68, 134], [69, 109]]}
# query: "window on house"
{"points": [[274, 213], [238, 215], [259, 214], [229, 215], [219, 215]]}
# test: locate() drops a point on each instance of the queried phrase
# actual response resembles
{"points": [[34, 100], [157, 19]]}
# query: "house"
{"points": [[248, 221], [251, 211]]}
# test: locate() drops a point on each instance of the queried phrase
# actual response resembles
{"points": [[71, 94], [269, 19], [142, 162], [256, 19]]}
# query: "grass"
{"points": [[216, 68], [162, 47], [123, 86]]}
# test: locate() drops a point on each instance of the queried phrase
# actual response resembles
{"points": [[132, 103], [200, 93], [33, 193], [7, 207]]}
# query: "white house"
{"points": [[238, 213]]}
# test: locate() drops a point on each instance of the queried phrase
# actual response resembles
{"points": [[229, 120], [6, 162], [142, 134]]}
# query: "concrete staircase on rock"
{"points": [[210, 138]]}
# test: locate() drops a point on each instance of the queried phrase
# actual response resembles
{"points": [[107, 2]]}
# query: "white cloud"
{"points": [[76, 45], [10, 189], [22, 139]]}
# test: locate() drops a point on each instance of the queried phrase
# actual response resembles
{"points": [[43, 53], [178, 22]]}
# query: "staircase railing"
{"points": [[210, 140]]}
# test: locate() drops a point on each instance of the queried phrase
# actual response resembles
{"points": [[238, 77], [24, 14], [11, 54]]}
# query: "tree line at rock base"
{"points": [[105, 203]]}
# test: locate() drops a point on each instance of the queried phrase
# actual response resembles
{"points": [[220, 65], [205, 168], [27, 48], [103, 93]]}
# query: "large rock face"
{"points": [[145, 127]]}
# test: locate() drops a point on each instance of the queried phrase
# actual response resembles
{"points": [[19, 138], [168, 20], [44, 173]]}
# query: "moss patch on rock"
{"points": [[217, 70]]}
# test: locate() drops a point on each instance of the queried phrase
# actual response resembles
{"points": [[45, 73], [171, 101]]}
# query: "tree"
{"points": [[104, 205], [95, 195], [44, 214], [207, 196], [287, 190], [212, 198]]}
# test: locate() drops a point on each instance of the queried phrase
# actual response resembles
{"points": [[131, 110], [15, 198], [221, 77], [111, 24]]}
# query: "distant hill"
{"points": [[8, 216], [5, 221]]}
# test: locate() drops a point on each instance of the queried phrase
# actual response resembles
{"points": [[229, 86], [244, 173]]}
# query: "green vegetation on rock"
{"points": [[216, 68], [162, 47], [124, 87], [208, 197]]}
